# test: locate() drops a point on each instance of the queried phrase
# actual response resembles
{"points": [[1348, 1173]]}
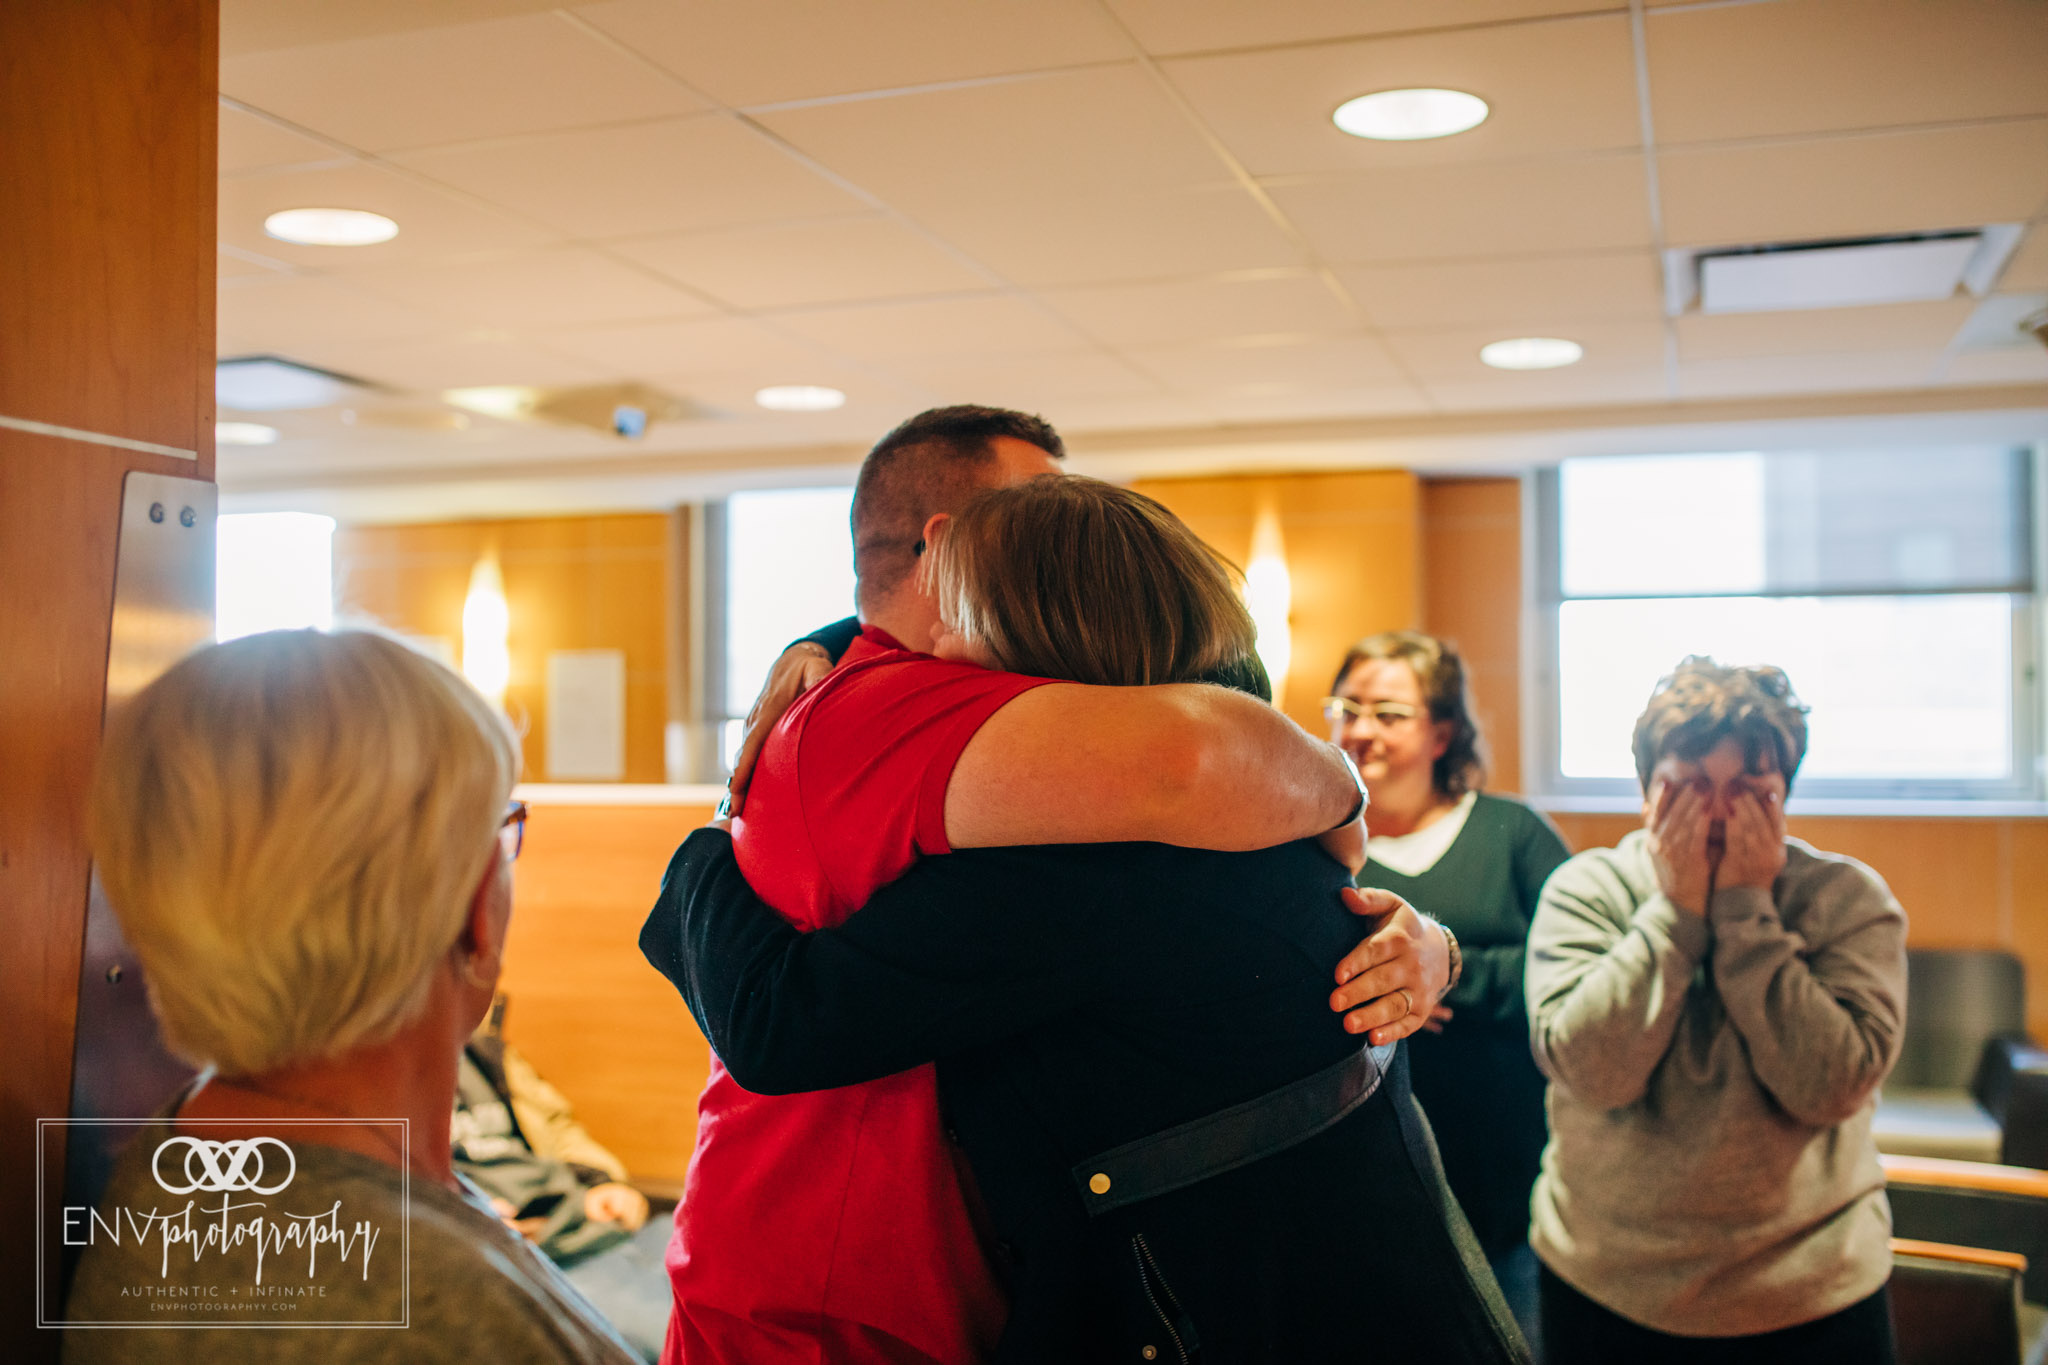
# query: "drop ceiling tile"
{"points": [[1452, 353], [2013, 365], [1181, 311], [1171, 26], [640, 180], [1501, 391], [1309, 405], [1038, 382], [1331, 364], [1055, 136], [249, 143], [1853, 186], [1079, 418], [428, 365], [1554, 88], [431, 222], [784, 265], [713, 346], [1740, 71], [1929, 325], [807, 49], [1766, 376], [979, 325], [1529, 293], [286, 313], [555, 287], [1447, 212], [1117, 235], [875, 400], [263, 25], [2028, 267], [230, 265], [428, 87]]}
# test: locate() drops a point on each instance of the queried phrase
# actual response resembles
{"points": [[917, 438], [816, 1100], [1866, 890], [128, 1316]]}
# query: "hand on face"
{"points": [[1755, 841], [1678, 829]]}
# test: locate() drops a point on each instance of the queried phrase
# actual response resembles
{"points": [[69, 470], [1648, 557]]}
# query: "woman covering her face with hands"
{"points": [[1476, 862], [1716, 1005]]}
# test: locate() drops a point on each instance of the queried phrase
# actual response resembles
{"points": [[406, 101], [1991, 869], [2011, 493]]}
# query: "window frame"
{"points": [[1542, 717]]}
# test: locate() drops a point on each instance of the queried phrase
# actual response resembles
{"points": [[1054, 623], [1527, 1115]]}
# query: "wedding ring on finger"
{"points": [[1407, 1002]]}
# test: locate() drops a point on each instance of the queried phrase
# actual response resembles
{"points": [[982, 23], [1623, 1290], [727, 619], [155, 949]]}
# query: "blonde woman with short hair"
{"points": [[308, 840]]}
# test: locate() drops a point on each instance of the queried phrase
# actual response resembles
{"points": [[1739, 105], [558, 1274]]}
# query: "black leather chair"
{"points": [[1969, 1085], [1955, 1305]]}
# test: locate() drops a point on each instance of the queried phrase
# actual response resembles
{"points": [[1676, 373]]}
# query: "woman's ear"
{"points": [[489, 918], [1440, 739]]}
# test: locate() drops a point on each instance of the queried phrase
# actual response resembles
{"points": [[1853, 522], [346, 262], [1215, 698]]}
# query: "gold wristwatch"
{"points": [[1457, 956]]}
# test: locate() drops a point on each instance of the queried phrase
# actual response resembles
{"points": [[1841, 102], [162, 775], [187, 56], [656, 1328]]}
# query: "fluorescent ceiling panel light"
{"points": [[264, 383], [1410, 115], [512, 402], [330, 227], [1834, 277], [1531, 353], [243, 434], [799, 398]]}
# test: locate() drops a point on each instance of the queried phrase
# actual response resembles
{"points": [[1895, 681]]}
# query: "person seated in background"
{"points": [[518, 1140], [1716, 1005], [308, 840], [1476, 863], [1183, 1152]]}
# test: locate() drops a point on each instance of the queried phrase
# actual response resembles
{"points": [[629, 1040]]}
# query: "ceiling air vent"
{"points": [[1784, 276]]}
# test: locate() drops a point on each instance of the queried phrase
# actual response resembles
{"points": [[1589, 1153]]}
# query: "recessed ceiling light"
{"points": [[1531, 353], [268, 383], [799, 398], [1410, 115], [330, 227], [243, 434]]}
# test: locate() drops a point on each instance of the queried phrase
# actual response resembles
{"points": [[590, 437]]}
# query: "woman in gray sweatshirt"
{"points": [[1715, 1006]]}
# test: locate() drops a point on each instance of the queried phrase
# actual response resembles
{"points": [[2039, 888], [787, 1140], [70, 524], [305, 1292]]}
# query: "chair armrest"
{"points": [[1948, 1251], [2012, 1085]]}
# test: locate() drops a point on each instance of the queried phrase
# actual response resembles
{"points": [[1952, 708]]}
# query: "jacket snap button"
{"points": [[1099, 1183], [1150, 1353]]}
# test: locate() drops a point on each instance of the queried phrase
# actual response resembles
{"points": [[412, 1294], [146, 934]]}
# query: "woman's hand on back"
{"points": [[1389, 984]]}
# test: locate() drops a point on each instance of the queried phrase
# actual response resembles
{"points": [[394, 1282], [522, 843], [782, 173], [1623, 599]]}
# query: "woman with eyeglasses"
{"points": [[1476, 863], [308, 841]]}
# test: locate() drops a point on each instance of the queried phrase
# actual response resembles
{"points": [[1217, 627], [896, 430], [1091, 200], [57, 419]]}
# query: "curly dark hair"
{"points": [[1441, 672], [1703, 703]]}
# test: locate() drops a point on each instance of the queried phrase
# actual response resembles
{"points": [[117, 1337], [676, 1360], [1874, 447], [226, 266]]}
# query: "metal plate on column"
{"points": [[163, 610]]}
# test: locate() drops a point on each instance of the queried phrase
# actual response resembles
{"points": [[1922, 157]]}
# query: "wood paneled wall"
{"points": [[1472, 596], [1353, 546], [107, 138], [594, 582], [585, 1007]]}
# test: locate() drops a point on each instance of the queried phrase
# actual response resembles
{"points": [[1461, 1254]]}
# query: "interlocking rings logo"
{"points": [[212, 1176]]}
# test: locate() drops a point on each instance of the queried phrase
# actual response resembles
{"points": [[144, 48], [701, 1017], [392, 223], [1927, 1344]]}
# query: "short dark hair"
{"points": [[1703, 703], [932, 463], [1440, 672]]}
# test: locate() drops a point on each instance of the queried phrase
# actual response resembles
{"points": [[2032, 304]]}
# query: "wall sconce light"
{"points": [[486, 622], [1269, 594]]}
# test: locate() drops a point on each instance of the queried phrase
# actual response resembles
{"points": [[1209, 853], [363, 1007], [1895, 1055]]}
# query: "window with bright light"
{"points": [[272, 571], [1894, 587], [788, 569]]}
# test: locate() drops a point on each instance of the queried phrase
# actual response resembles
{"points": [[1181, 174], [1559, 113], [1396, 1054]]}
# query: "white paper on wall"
{"points": [[586, 715]]}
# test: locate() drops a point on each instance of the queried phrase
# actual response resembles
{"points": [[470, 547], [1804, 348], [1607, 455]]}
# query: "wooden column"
{"points": [[107, 156]]}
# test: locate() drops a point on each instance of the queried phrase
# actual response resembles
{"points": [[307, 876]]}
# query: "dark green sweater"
{"points": [[1477, 1080]]}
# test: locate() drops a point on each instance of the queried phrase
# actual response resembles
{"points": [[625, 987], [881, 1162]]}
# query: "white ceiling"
{"points": [[1133, 216]]}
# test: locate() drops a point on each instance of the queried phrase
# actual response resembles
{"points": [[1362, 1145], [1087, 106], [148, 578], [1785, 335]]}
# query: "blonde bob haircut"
{"points": [[1069, 577], [291, 828]]}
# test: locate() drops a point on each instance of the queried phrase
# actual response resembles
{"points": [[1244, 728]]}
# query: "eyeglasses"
{"points": [[1385, 714], [512, 833]]}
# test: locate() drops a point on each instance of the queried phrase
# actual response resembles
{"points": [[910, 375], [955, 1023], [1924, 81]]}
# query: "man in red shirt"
{"points": [[836, 1226]]}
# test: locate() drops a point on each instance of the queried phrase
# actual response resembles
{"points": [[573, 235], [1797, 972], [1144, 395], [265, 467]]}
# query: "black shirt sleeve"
{"points": [[836, 638], [1491, 990], [962, 950]]}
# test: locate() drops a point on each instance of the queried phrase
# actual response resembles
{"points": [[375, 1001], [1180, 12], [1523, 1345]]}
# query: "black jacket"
{"points": [[1078, 998]]}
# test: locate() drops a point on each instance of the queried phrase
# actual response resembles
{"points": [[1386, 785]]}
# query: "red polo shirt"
{"points": [[832, 1227]]}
